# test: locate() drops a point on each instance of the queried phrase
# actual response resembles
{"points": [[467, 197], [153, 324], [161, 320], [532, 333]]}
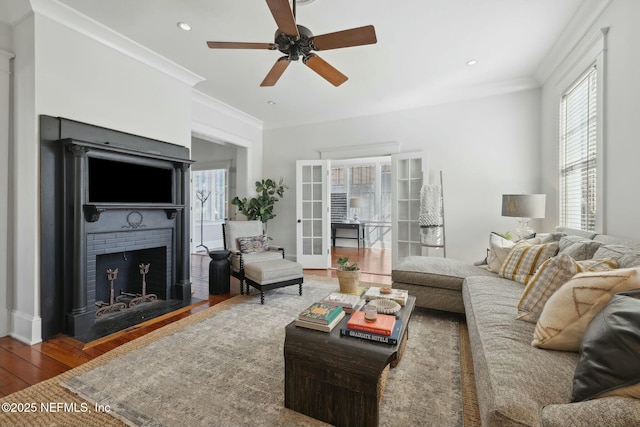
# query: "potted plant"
{"points": [[261, 207], [348, 276]]}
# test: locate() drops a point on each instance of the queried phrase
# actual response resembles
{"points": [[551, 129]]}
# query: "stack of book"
{"points": [[398, 295], [320, 316], [348, 302], [392, 339]]}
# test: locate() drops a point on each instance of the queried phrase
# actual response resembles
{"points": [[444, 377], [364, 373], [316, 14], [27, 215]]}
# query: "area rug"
{"points": [[227, 370]]}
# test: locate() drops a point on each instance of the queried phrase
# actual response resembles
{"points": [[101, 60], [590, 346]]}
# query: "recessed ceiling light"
{"points": [[304, 2], [472, 62], [184, 26], [271, 103]]}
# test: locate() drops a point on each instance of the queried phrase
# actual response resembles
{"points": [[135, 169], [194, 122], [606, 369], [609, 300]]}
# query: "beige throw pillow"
{"points": [[569, 310], [525, 258], [552, 274]]}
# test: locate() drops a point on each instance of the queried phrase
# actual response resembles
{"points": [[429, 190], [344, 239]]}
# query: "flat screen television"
{"points": [[112, 181]]}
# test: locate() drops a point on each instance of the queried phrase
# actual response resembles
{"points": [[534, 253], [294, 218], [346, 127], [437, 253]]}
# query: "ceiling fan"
{"points": [[296, 41]]}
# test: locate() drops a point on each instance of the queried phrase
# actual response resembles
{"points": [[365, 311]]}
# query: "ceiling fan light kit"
{"points": [[297, 41]]}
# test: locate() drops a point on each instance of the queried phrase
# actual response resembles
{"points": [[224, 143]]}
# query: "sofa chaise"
{"points": [[517, 383]]}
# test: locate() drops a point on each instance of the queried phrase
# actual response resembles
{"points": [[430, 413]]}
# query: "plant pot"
{"points": [[349, 281]]}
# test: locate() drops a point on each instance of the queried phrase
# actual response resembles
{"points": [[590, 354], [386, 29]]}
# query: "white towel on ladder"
{"points": [[430, 206]]}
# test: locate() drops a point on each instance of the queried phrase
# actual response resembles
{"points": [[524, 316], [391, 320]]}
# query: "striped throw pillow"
{"points": [[552, 274], [525, 258]]}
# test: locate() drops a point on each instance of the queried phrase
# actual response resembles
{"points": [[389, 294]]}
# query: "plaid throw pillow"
{"points": [[552, 274], [525, 258], [253, 244]]}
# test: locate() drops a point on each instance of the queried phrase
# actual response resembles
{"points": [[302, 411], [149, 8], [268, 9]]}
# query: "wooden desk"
{"points": [[348, 226], [337, 379]]}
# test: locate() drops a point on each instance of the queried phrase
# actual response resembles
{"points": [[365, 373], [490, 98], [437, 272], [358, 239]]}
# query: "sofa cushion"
{"points": [[525, 258], [625, 256], [514, 380], [552, 274], [609, 363], [569, 310], [578, 248], [254, 257], [434, 271]]}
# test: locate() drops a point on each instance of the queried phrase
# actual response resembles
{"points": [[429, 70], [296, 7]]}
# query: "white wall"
{"points": [[5, 81], [214, 121], [622, 104], [485, 147], [62, 69]]}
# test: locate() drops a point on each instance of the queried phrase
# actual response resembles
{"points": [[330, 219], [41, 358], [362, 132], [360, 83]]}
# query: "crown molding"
{"points": [[219, 106], [571, 38], [93, 29], [375, 149]]}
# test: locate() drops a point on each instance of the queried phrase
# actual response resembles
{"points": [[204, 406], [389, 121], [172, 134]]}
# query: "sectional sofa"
{"points": [[517, 383]]}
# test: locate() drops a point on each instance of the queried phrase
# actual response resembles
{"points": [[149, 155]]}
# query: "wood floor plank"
{"points": [[9, 383], [27, 372], [33, 356]]}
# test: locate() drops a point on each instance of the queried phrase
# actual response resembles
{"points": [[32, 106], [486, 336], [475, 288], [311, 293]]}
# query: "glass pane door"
{"points": [[312, 201], [408, 172]]}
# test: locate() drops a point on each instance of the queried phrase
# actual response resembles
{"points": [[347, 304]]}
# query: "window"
{"points": [[369, 181], [578, 153], [210, 186]]}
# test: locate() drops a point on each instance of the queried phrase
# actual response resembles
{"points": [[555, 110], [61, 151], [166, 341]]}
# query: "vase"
{"points": [[349, 281]]}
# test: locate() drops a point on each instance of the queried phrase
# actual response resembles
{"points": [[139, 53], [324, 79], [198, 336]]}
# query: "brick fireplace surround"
{"points": [[82, 222]]}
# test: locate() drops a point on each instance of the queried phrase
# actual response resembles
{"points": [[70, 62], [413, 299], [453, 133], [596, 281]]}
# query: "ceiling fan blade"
{"points": [[276, 71], [325, 70], [283, 16], [240, 45], [347, 38]]}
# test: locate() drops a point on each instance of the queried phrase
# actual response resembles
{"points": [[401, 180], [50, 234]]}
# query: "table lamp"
{"points": [[356, 203], [524, 207]]}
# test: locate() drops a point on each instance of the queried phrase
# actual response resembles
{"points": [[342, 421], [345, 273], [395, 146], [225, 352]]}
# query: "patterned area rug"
{"points": [[226, 369]]}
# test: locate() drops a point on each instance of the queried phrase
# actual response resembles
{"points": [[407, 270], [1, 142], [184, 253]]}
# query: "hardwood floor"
{"points": [[22, 365]]}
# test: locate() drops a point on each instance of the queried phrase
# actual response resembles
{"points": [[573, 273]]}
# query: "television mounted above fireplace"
{"points": [[112, 181]]}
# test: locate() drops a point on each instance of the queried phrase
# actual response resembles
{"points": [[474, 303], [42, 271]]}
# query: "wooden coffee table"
{"points": [[337, 379]]}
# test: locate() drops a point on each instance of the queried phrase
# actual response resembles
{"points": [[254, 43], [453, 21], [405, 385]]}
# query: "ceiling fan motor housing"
{"points": [[295, 47]]}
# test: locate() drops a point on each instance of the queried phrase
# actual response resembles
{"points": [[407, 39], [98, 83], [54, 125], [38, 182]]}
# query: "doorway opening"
{"points": [[361, 211], [209, 208]]}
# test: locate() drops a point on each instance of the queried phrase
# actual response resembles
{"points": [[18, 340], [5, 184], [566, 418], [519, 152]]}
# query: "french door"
{"points": [[409, 171], [313, 234]]}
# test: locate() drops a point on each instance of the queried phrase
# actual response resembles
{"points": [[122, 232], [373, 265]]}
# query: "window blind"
{"points": [[578, 112]]}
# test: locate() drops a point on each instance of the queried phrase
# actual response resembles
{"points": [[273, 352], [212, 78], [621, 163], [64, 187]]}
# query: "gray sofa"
{"points": [[517, 384]]}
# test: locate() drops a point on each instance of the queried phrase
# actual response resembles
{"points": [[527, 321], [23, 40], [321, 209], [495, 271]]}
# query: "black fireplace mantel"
{"points": [[69, 215], [92, 211]]}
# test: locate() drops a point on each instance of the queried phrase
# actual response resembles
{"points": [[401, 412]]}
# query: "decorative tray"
{"points": [[385, 305]]}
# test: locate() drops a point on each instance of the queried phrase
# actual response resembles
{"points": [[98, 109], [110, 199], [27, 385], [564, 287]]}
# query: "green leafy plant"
{"points": [[345, 265], [260, 208]]}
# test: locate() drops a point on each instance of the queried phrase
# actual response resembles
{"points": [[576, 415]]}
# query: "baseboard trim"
{"points": [[26, 328]]}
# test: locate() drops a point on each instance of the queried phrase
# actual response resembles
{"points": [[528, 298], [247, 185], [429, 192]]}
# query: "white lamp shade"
{"points": [[524, 205], [356, 202]]}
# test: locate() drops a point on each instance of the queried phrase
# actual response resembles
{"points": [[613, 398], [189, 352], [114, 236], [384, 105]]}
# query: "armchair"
{"points": [[232, 231]]}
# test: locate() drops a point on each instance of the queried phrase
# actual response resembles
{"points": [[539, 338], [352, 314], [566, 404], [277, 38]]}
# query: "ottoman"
{"points": [[266, 275]]}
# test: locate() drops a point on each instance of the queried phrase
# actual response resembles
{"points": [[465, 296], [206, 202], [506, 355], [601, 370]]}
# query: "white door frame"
{"points": [[313, 215], [409, 171]]}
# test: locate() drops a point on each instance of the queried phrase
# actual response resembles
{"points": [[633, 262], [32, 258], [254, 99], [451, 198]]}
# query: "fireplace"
{"points": [[115, 202], [142, 269]]}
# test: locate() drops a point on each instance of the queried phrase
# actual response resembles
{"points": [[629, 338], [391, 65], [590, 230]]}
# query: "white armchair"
{"points": [[235, 232]]}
